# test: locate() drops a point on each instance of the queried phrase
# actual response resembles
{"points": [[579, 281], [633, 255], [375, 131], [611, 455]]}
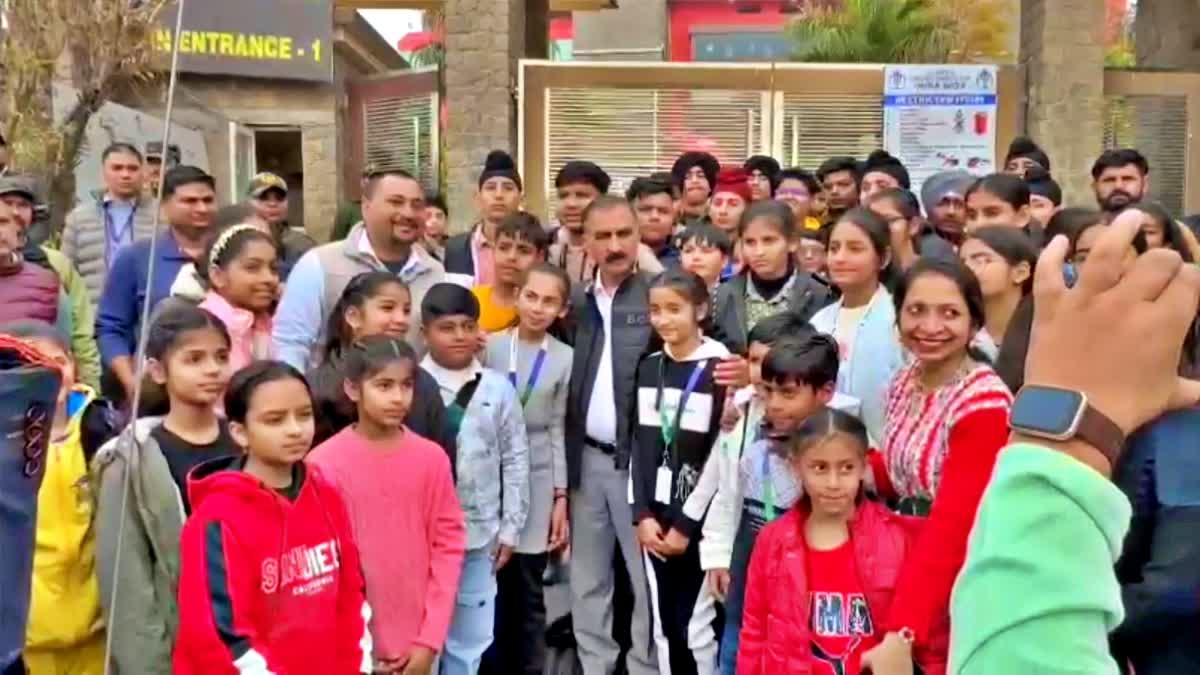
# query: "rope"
{"points": [[143, 334]]}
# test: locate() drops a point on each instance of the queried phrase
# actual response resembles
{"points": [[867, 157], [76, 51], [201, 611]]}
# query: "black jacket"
{"points": [[729, 307], [1159, 567], [458, 258], [632, 338], [663, 379], [334, 411]]}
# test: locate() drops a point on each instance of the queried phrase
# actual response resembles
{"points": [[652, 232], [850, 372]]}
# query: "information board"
{"points": [[279, 39], [938, 118]]}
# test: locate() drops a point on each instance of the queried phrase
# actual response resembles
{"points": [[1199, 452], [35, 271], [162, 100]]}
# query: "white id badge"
{"points": [[662, 485]]}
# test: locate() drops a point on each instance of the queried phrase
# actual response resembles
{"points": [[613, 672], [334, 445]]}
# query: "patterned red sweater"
{"points": [[939, 445]]}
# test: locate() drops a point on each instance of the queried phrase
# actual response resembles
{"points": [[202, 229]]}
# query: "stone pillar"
{"points": [[1063, 52], [484, 39]]}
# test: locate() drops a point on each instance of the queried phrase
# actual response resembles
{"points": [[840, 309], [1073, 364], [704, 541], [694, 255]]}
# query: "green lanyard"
{"points": [[670, 428]]}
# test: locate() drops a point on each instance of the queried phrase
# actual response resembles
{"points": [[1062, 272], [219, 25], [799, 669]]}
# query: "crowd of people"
{"points": [[749, 417]]}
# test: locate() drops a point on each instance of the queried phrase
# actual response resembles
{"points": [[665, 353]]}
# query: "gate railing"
{"points": [[635, 118], [1159, 114]]}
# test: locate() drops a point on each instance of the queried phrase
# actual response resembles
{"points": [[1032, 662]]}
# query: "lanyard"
{"points": [[534, 373], [768, 487], [111, 232], [671, 429]]}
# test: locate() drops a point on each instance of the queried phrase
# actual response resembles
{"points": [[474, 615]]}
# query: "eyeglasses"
{"points": [[792, 193], [35, 438]]}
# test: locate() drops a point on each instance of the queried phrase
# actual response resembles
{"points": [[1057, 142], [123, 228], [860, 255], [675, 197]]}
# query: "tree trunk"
{"points": [[1167, 34]]}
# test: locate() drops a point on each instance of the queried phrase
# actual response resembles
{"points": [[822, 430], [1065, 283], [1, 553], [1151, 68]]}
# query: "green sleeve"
{"points": [[82, 319], [1038, 593], [348, 215]]}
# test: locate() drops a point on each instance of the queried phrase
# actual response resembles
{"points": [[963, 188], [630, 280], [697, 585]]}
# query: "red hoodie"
{"points": [[268, 585], [776, 633]]}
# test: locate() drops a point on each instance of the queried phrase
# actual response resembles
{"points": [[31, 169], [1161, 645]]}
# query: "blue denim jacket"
{"points": [[492, 463], [874, 358]]}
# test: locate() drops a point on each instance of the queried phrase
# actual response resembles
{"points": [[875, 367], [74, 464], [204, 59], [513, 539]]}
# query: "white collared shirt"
{"points": [[601, 422], [450, 382]]}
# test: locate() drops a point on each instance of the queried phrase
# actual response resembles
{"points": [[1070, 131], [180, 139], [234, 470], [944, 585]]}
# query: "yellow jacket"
{"points": [[65, 605]]}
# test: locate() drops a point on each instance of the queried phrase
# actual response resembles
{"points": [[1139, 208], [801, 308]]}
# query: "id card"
{"points": [[662, 485]]}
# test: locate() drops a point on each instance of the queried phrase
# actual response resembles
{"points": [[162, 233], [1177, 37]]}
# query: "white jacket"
{"points": [[718, 490]]}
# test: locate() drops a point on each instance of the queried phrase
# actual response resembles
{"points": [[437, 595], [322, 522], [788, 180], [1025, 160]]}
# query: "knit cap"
{"points": [[500, 164], [707, 163], [733, 180], [937, 186]]}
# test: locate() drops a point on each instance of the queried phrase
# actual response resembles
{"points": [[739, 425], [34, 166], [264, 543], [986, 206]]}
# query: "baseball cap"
{"points": [[261, 183], [20, 185]]}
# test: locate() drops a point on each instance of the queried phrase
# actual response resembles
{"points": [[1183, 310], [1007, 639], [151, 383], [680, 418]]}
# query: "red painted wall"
{"points": [[684, 14]]}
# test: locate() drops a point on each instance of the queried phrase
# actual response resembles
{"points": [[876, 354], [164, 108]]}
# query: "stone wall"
{"points": [[634, 31], [1065, 77], [484, 39], [309, 107]]}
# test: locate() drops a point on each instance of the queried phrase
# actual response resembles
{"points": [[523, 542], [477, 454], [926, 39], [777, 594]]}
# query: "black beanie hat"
{"points": [[447, 299], [767, 165], [707, 163], [1041, 184], [500, 163], [1023, 146], [882, 162]]}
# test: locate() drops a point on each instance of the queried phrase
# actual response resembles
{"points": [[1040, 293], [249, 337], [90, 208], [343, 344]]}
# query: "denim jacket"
{"points": [[493, 463], [874, 358]]}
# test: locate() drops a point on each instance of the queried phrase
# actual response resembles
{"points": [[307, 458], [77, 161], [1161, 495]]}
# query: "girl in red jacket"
{"points": [[821, 577], [270, 578]]}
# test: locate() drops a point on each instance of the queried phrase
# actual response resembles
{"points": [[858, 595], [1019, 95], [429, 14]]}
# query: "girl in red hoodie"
{"points": [[270, 578], [821, 577]]}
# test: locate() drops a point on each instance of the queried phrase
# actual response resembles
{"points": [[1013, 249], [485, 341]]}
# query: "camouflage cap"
{"points": [[18, 185], [261, 183]]}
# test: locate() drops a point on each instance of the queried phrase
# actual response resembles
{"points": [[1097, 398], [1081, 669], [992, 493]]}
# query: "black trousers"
{"points": [[519, 646]]}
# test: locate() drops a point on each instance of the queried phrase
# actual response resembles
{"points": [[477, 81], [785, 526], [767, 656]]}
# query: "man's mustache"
{"points": [[615, 256]]}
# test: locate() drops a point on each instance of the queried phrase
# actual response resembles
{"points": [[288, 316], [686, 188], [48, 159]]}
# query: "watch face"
{"points": [[1046, 411]]}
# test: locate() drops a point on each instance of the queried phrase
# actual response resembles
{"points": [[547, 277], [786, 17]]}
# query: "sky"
{"points": [[393, 24]]}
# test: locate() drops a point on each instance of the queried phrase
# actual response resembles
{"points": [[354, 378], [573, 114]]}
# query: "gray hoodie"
{"points": [[139, 518]]}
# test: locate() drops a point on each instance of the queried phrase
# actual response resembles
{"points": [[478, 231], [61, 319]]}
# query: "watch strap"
{"points": [[1096, 429]]}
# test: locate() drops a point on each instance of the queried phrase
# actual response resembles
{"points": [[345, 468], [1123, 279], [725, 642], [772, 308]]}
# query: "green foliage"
{"points": [[1120, 55], [874, 31], [101, 47]]}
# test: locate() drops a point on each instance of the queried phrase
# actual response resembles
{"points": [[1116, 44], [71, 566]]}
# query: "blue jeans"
{"points": [[729, 646], [474, 615]]}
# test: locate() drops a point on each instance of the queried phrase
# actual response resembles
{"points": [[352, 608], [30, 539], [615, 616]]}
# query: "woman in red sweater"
{"points": [[947, 419], [822, 577]]}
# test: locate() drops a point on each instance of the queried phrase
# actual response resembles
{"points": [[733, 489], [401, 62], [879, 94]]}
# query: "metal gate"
{"points": [[634, 118], [1159, 114], [393, 121]]}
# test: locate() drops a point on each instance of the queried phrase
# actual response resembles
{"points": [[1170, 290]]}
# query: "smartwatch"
{"points": [[1061, 415]]}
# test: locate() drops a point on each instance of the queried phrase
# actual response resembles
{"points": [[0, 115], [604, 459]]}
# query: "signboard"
{"points": [[938, 118], [279, 39]]}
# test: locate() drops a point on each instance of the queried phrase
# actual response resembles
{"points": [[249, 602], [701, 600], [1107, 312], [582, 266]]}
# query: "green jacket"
{"points": [[137, 551], [1038, 593], [82, 318], [348, 215]]}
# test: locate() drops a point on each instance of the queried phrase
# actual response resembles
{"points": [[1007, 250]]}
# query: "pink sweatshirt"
{"points": [[410, 533]]}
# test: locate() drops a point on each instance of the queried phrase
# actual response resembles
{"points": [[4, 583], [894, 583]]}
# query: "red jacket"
{"points": [[775, 637], [268, 584]]}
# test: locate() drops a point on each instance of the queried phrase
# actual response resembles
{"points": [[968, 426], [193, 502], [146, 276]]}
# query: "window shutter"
{"points": [[1157, 127], [399, 134], [819, 126], [635, 132]]}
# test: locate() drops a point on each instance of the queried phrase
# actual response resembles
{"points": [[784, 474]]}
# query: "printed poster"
{"points": [[938, 118]]}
